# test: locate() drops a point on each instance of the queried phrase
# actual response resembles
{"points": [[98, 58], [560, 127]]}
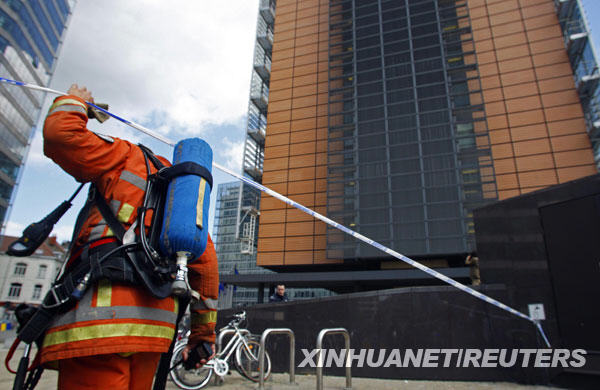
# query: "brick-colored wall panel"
{"points": [[299, 258], [302, 136], [266, 259], [505, 17], [523, 104], [570, 111], [529, 132], [547, 45], [526, 118], [275, 177], [515, 78], [505, 194], [506, 165], [538, 146], [502, 151], [570, 142], [520, 90], [271, 244], [272, 216], [300, 229], [533, 163], [499, 136], [545, 177], [570, 126], [556, 84], [513, 52], [503, 6], [507, 29], [271, 230], [572, 173], [541, 9], [555, 70], [574, 158], [559, 98], [302, 148], [497, 122], [550, 58], [507, 181], [278, 151], [540, 21], [295, 215], [306, 160], [510, 40], [302, 187]]}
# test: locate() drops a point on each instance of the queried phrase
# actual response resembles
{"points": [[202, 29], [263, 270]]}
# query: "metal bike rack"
{"points": [[320, 362], [261, 353], [226, 332]]}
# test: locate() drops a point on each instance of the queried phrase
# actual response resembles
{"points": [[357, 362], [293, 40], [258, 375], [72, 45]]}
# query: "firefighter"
{"points": [[114, 336]]}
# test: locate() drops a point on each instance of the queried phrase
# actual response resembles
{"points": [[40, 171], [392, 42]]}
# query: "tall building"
{"points": [[31, 33], [238, 256], [397, 118]]}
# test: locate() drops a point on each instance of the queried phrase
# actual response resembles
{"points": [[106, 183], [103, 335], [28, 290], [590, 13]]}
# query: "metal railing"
{"points": [[261, 353], [320, 362]]}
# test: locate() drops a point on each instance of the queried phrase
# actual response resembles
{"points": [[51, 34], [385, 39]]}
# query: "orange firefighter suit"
{"points": [[116, 332]]}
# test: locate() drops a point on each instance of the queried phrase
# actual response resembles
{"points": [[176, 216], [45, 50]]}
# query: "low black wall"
{"points": [[405, 318]]}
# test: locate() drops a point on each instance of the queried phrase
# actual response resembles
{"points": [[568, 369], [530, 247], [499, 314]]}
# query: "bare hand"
{"points": [[188, 348], [81, 92]]}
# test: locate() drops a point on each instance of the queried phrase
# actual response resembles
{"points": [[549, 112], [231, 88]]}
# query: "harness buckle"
{"points": [[57, 301]]}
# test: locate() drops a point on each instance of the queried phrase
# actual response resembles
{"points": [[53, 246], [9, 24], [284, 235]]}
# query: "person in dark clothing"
{"points": [[280, 295]]}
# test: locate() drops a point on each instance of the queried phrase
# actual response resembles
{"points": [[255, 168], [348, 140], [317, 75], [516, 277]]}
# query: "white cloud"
{"points": [[233, 154], [189, 61], [13, 229], [63, 233]]}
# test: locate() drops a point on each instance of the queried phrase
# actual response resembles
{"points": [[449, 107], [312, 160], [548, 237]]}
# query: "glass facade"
{"points": [[408, 148], [30, 36], [583, 60]]}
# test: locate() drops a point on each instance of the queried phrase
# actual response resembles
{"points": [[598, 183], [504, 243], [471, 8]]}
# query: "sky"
{"points": [[180, 68]]}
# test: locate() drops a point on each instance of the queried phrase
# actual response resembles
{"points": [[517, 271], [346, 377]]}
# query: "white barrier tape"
{"points": [[313, 213]]}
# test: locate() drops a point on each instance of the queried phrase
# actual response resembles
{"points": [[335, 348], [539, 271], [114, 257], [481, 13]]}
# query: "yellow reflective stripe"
{"points": [[109, 233], [176, 304], [200, 204], [104, 295], [67, 101], [125, 212], [204, 318], [107, 330]]}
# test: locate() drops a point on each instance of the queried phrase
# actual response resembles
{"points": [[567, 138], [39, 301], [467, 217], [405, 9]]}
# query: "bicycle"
{"points": [[245, 345]]}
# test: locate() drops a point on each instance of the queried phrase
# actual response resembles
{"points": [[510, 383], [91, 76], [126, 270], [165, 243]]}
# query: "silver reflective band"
{"points": [[69, 108], [115, 312], [205, 304], [134, 179]]}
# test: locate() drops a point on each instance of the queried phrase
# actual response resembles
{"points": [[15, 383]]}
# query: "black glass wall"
{"points": [[409, 154]]}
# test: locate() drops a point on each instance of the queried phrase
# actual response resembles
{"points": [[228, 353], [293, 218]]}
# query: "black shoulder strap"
{"points": [[109, 217], [152, 157]]}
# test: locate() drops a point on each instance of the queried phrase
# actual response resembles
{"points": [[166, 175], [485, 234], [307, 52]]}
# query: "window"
{"points": [[20, 269], [42, 272], [15, 290], [37, 291]]}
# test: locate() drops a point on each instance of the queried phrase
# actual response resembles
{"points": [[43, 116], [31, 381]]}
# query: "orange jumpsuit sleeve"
{"points": [[78, 151], [204, 278]]}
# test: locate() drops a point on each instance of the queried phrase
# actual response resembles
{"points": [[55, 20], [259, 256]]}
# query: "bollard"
{"points": [[320, 362], [261, 353]]}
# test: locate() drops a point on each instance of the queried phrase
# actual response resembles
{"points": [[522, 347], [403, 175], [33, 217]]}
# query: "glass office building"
{"points": [[397, 118], [31, 33]]}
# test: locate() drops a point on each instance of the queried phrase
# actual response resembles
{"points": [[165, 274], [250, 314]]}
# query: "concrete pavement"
{"points": [[303, 382]]}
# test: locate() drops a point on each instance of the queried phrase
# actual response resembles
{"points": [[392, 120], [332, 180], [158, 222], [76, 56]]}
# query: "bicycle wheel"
{"points": [[193, 379], [246, 360]]}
